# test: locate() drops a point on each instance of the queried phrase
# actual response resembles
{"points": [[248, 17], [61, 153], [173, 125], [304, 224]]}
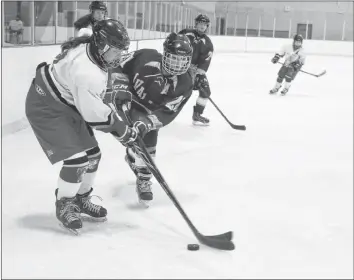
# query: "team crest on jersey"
{"points": [[39, 90]]}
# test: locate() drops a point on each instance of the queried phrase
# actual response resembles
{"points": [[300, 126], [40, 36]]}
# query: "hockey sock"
{"points": [[71, 175], [277, 85], [142, 170], [287, 85], [94, 157], [200, 105]]}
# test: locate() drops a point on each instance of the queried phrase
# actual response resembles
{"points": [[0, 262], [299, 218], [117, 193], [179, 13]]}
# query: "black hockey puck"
{"points": [[193, 247]]}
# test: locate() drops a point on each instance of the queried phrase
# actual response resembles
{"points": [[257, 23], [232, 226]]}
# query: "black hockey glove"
{"points": [[118, 95], [144, 124], [276, 58], [129, 136], [297, 65], [200, 82]]}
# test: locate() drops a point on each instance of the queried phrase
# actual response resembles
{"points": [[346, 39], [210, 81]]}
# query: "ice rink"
{"points": [[284, 186]]}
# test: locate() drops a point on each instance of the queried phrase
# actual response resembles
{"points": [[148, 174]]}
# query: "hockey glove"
{"points": [[128, 137], [276, 58], [118, 95], [120, 92], [200, 82], [144, 124], [297, 65]]}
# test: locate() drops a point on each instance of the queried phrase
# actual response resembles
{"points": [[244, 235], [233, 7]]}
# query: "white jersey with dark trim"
{"points": [[291, 55], [81, 83]]}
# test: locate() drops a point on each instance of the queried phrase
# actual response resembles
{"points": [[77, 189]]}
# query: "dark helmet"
{"points": [[202, 19], [177, 54], [298, 38], [97, 5], [111, 39]]}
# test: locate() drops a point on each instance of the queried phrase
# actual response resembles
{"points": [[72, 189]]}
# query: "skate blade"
{"points": [[86, 218], [196, 123], [144, 203], [70, 230]]}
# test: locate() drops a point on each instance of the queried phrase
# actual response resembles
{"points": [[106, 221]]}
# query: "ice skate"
{"points": [[274, 91], [67, 212], [143, 189], [284, 91], [200, 120], [91, 211]]}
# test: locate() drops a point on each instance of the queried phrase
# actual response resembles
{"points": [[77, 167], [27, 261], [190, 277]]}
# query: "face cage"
{"points": [[175, 64], [113, 62]]}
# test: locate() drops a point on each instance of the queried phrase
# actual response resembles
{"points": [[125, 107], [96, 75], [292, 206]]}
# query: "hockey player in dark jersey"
{"points": [[202, 53], [98, 11], [160, 85]]}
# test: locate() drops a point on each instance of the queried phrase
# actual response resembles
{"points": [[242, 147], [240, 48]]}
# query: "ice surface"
{"points": [[285, 187]]}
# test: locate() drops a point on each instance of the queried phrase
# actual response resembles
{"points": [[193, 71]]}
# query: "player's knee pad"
{"points": [[74, 168], [280, 79], [94, 157]]}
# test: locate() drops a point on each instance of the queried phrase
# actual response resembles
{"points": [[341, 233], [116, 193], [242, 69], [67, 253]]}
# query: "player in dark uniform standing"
{"points": [[202, 53], [98, 11], [160, 87]]}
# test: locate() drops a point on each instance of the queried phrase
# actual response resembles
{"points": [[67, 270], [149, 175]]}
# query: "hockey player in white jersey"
{"points": [[294, 59], [64, 103], [98, 11]]}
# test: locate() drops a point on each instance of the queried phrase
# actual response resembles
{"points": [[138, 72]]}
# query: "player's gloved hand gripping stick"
{"points": [[221, 241]]}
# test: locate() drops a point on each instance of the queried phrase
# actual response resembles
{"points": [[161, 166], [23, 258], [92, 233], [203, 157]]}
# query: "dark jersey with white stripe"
{"points": [[155, 93], [202, 48]]}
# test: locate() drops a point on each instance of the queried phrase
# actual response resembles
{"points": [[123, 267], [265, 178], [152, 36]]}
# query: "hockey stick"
{"points": [[221, 241], [234, 126], [315, 75]]}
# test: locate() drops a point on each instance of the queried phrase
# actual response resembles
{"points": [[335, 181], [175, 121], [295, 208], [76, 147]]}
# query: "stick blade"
{"points": [[216, 243], [322, 73], [221, 241], [238, 127], [224, 236]]}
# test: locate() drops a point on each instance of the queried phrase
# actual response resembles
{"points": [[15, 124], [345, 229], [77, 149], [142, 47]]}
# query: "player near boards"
{"points": [[202, 54], [98, 11], [160, 85], [294, 60], [64, 103]]}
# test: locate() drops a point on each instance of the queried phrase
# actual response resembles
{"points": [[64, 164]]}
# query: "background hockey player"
{"points": [[202, 54], [98, 11], [161, 86], [294, 60], [64, 102]]}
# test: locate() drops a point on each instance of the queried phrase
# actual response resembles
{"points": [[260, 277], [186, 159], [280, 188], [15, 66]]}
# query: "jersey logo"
{"points": [[174, 104], [159, 80], [39, 90]]}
